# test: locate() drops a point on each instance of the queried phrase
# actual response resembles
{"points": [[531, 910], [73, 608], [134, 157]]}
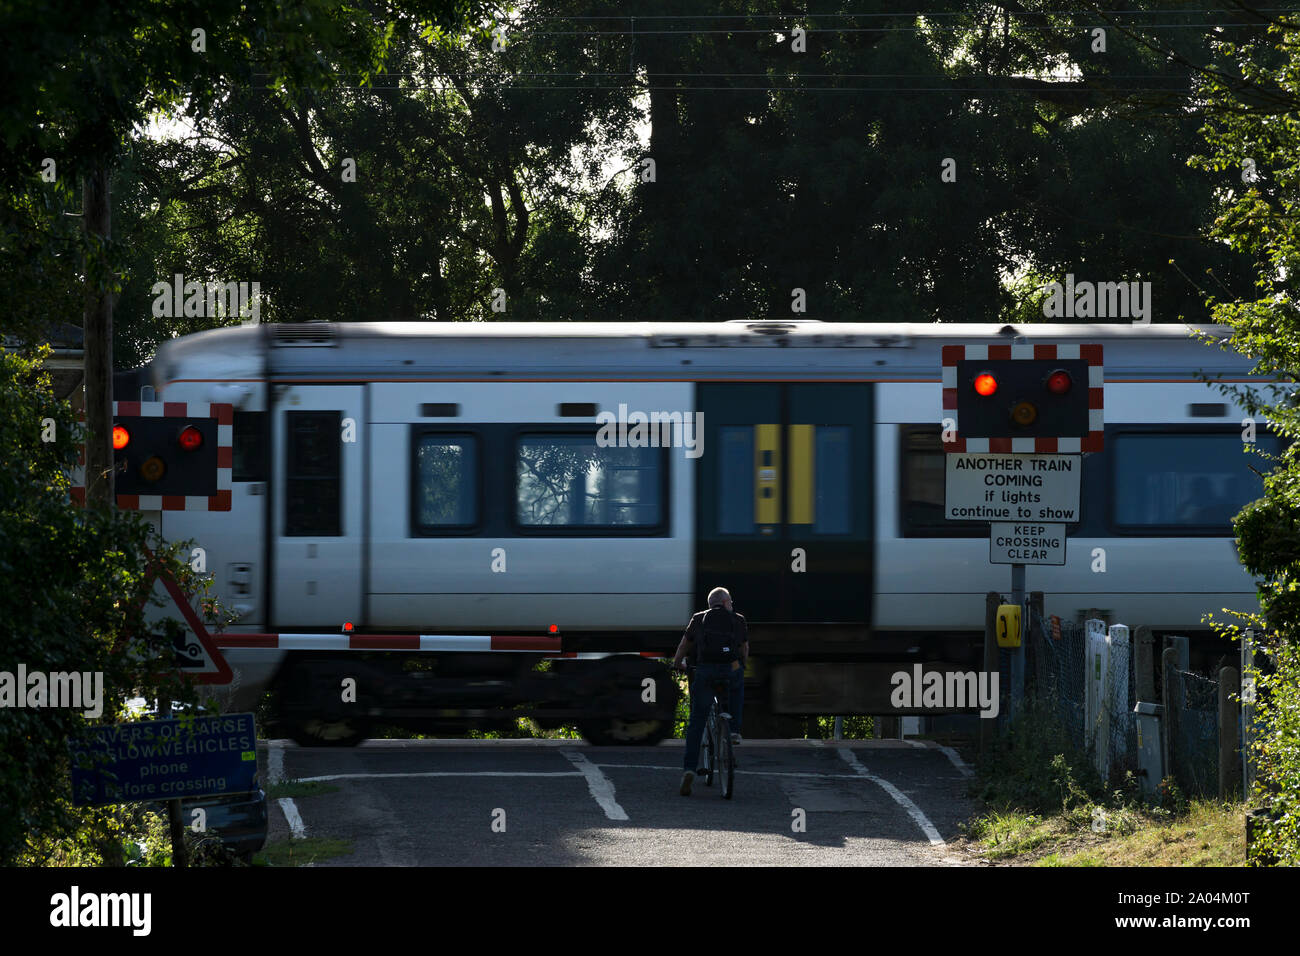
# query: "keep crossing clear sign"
{"points": [[1026, 542], [1012, 487]]}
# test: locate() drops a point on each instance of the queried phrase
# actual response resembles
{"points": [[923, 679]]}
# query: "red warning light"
{"points": [[555, 628], [190, 438], [121, 437], [347, 625], [985, 384], [1059, 382]]}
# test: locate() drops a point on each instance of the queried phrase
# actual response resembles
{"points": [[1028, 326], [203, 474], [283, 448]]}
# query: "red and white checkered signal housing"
{"points": [[1024, 398], [172, 456]]}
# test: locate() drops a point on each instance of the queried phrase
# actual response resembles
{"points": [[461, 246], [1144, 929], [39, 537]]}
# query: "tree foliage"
{"points": [[515, 163], [1252, 96], [74, 597]]}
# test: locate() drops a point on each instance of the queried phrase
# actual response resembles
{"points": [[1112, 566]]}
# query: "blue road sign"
{"points": [[166, 759]]}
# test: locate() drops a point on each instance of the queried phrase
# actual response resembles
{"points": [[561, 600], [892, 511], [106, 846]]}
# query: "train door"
{"points": [[784, 500], [319, 440]]}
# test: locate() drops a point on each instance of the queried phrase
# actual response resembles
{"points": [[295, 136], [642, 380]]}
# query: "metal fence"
{"points": [[1085, 676], [1192, 732], [1087, 683]]}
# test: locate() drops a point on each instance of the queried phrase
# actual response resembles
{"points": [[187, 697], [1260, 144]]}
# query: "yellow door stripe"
{"points": [[801, 474]]}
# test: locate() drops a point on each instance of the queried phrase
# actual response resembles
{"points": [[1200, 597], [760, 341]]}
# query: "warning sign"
{"points": [[1015, 542], [1043, 488]]}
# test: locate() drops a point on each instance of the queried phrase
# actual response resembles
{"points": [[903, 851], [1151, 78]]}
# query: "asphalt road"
{"points": [[559, 803]]}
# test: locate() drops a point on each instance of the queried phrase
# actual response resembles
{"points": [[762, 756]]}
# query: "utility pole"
{"points": [[97, 332]]}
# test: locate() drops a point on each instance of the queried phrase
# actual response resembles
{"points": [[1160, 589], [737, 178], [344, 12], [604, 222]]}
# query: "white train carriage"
{"points": [[445, 480]]}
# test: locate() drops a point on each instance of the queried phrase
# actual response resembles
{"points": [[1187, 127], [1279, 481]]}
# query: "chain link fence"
{"points": [[1192, 732], [1088, 686]]}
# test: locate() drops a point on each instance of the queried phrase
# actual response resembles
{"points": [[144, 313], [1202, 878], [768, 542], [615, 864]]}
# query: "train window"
{"points": [[446, 481], [569, 481], [313, 505], [735, 487], [922, 487], [1187, 482], [249, 453], [832, 458]]}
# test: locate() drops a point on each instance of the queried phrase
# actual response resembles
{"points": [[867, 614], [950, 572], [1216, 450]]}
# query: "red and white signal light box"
{"points": [[171, 456], [1044, 399]]}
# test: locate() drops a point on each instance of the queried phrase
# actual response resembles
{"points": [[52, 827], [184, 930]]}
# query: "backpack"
{"points": [[716, 643]]}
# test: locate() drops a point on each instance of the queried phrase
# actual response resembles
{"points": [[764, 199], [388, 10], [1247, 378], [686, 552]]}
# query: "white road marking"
{"points": [[274, 761], [752, 773], [275, 774], [601, 787], [446, 773], [953, 757], [957, 762], [900, 798], [295, 819]]}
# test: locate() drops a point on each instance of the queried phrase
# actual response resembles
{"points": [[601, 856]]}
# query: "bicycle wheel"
{"points": [[726, 759], [709, 753]]}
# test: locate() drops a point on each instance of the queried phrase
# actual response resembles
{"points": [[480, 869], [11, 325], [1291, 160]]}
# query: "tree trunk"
{"points": [[98, 343]]}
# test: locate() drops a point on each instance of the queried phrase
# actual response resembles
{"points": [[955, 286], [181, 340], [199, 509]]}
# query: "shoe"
{"points": [[687, 779], [735, 740]]}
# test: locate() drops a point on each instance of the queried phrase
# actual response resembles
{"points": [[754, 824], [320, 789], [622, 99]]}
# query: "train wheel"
{"points": [[327, 733], [627, 733]]}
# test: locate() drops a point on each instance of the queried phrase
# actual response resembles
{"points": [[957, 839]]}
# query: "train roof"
{"points": [[739, 350]]}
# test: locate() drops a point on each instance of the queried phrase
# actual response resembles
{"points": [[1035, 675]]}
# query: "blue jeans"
{"points": [[702, 698]]}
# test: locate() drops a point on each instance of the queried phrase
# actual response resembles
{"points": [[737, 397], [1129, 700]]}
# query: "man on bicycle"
{"points": [[718, 639]]}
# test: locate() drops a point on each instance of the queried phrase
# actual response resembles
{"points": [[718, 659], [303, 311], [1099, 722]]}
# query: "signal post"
{"points": [[1018, 419]]}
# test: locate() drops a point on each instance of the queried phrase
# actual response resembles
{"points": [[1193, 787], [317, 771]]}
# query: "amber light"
{"points": [[121, 438], [190, 438], [153, 469], [1024, 414], [985, 384]]}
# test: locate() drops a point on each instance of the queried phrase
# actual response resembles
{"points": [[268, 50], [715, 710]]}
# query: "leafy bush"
{"points": [[73, 593], [1034, 766]]}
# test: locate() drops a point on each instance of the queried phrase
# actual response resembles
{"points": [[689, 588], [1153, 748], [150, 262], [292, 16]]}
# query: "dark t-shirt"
{"points": [[695, 628]]}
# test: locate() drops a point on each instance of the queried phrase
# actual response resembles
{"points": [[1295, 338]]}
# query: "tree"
{"points": [[1252, 99], [81, 77]]}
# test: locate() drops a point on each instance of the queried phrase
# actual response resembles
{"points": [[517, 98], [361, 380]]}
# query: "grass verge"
{"points": [[301, 852], [299, 788], [1047, 806], [1207, 833]]}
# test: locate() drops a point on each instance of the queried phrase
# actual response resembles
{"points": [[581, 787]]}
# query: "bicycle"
{"points": [[718, 755]]}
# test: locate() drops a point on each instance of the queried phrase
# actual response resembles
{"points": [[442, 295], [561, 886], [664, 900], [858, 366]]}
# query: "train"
{"points": [[428, 510]]}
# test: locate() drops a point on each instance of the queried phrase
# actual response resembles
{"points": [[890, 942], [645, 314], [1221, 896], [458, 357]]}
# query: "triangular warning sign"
{"points": [[199, 657]]}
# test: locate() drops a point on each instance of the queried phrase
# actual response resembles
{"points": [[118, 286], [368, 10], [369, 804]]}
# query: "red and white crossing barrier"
{"points": [[462, 643]]}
